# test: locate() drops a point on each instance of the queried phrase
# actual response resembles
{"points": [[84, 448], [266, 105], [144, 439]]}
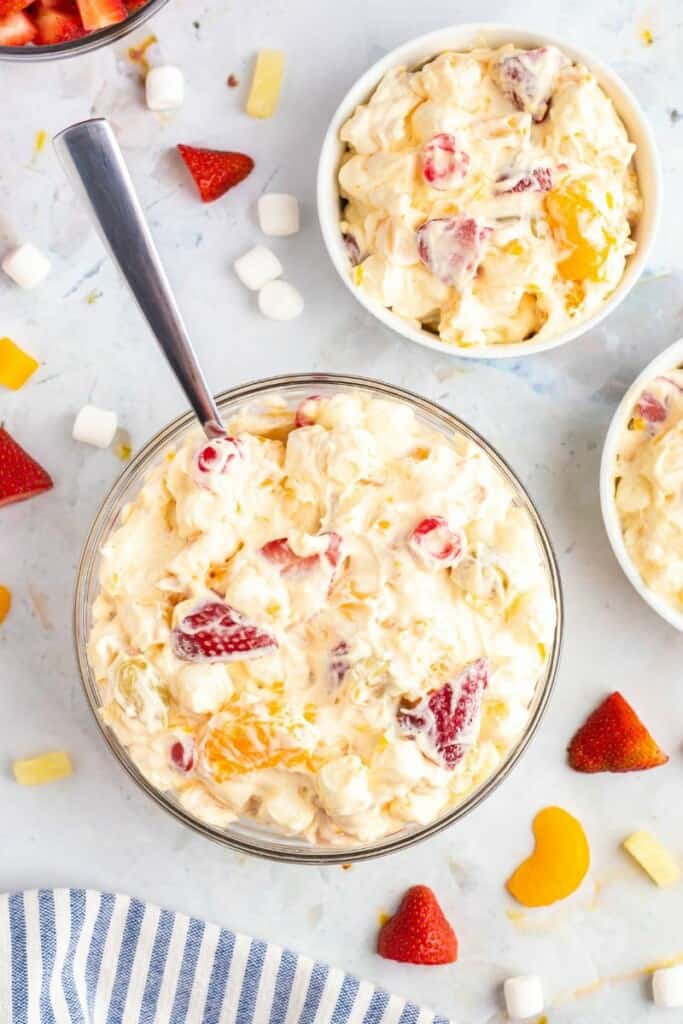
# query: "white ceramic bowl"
{"points": [[466, 37], [668, 359]]}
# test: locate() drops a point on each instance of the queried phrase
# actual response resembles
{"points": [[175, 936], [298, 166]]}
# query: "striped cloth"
{"points": [[73, 956]]}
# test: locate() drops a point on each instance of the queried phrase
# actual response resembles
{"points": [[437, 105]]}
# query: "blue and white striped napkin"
{"points": [[74, 956]]}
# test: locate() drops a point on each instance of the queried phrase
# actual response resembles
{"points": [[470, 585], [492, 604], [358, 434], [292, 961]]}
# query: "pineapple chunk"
{"points": [[653, 858], [16, 366], [266, 83], [45, 768]]}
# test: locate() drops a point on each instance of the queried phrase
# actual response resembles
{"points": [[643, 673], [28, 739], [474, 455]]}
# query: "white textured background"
{"points": [[547, 414]]}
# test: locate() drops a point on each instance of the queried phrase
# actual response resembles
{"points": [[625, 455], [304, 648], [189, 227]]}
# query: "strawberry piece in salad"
{"points": [[444, 162], [452, 247], [217, 632], [436, 543], [528, 79]]}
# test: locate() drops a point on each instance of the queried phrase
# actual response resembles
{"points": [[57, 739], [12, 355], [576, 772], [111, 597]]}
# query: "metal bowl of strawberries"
{"points": [[34, 30]]}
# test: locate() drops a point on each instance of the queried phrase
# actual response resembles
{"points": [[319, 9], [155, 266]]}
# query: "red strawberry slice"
{"points": [[528, 78], [419, 933], [279, 553], [444, 163], [217, 455], [339, 665], [352, 248], [540, 179], [306, 412], [55, 26], [434, 541], [182, 754], [17, 30], [215, 171], [613, 739], [650, 408], [443, 721], [218, 632], [12, 6], [96, 14], [20, 476], [452, 247]]}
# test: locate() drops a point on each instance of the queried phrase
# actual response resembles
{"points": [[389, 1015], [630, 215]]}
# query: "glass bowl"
{"points": [[93, 41], [245, 835]]}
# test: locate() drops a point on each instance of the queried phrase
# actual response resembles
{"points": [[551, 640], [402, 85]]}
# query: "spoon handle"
{"points": [[95, 166]]}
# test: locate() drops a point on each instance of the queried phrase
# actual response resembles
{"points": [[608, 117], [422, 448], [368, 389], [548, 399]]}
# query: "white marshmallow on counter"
{"points": [[257, 267], [278, 214], [95, 426], [667, 987], [523, 996], [26, 266], [164, 88], [280, 301]]}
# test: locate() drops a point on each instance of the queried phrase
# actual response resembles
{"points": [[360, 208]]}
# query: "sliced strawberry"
{"points": [[650, 408], [339, 664], [443, 722], [218, 632], [444, 162], [452, 247], [528, 78], [215, 171], [17, 30], [279, 553], [217, 456], [12, 6], [20, 476], [305, 415], [182, 754], [55, 26], [334, 549], [539, 179], [419, 933], [436, 543], [96, 14], [613, 739], [352, 248]]}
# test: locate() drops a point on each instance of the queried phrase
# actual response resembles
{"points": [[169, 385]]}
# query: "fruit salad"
{"points": [[489, 197], [333, 620], [648, 477], [49, 22]]}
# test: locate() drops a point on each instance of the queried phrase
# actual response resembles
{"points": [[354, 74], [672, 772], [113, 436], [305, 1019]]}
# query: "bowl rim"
{"points": [[80, 623], [669, 357], [430, 45], [86, 44]]}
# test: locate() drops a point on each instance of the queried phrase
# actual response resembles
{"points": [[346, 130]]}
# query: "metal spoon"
{"points": [[93, 161]]}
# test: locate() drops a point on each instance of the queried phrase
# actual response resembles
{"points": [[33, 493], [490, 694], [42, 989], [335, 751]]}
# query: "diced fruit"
{"points": [[352, 248], [217, 456], [56, 26], [97, 14], [306, 412], [528, 78], [444, 163], [653, 858], [217, 632], [434, 541], [443, 722], [253, 740], [45, 768], [16, 30], [20, 476], [540, 179], [215, 171], [12, 6], [95, 426], [613, 739], [266, 83], [558, 864], [650, 408], [419, 932], [339, 664], [570, 213], [5, 603], [452, 247], [279, 553], [16, 366], [182, 754]]}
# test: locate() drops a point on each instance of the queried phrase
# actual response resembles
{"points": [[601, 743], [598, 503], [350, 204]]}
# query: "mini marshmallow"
{"points": [[667, 987], [278, 214], [257, 267], [280, 301], [26, 266], [95, 426], [164, 88], [523, 996]]}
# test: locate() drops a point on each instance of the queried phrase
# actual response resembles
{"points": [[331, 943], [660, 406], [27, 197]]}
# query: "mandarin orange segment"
{"points": [[16, 366], [251, 743], [571, 213]]}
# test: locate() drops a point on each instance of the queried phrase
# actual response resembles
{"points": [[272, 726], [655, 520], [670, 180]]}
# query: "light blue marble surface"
{"points": [[547, 414]]}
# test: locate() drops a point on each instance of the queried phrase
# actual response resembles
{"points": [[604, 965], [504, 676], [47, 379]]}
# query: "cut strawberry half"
{"points": [[218, 632], [182, 754], [436, 543], [96, 14], [56, 26], [444, 162], [539, 179], [306, 412], [279, 552], [215, 171], [613, 739], [20, 476], [650, 408], [528, 78], [216, 456], [452, 247], [17, 30], [443, 723], [419, 932]]}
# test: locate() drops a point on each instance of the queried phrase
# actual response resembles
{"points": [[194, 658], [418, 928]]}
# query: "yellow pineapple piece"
{"points": [[266, 83], [569, 208], [16, 366], [36, 771], [653, 858]]}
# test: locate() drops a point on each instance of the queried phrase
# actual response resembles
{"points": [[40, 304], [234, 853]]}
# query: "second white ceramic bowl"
{"points": [[668, 359], [466, 37]]}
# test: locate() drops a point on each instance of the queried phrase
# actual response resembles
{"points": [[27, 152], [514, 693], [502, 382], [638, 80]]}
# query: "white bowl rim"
{"points": [[463, 37], [667, 359]]}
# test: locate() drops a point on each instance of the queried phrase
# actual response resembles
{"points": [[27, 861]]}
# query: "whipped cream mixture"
{"points": [[649, 487], [332, 621], [490, 196]]}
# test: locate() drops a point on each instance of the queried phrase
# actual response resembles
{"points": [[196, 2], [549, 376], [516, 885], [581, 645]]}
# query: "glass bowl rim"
{"points": [[317, 855]]}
